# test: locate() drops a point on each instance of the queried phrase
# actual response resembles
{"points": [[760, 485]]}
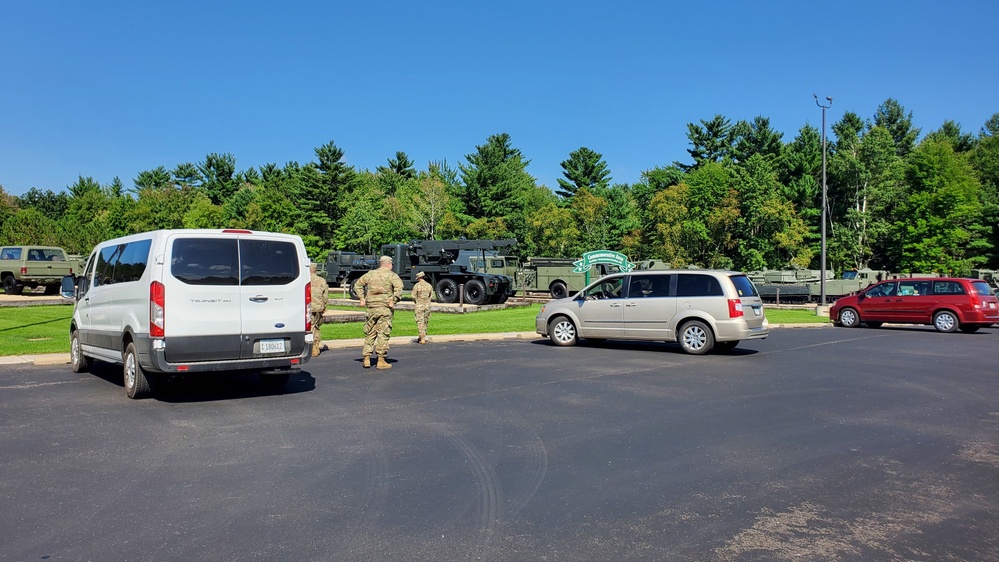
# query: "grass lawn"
{"points": [[45, 329]]}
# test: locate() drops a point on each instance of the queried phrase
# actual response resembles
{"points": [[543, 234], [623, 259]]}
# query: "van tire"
{"points": [[849, 318], [696, 338], [558, 290], [945, 321], [136, 383], [562, 332], [10, 285], [76, 358]]}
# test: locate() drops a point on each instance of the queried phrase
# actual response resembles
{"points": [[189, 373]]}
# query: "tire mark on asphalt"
{"points": [[489, 494], [31, 385]]}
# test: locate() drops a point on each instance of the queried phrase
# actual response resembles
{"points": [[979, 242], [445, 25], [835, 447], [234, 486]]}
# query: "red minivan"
{"points": [[947, 303]]}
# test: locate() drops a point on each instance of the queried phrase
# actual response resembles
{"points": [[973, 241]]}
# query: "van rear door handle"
{"points": [[258, 298]]}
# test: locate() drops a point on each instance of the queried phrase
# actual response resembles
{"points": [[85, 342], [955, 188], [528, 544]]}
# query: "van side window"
{"points": [[697, 285], [106, 259], [205, 261], [648, 286], [947, 288], [268, 262], [132, 261]]}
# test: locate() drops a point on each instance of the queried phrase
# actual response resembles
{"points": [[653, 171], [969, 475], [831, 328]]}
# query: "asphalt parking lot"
{"points": [[815, 444]]}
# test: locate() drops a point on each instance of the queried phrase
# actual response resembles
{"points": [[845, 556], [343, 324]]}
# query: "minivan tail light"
{"points": [[157, 309], [308, 306], [735, 308]]}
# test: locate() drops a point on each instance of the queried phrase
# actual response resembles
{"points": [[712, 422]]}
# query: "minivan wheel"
{"points": [[76, 357], [696, 338], [945, 321], [562, 331], [136, 382], [849, 318]]}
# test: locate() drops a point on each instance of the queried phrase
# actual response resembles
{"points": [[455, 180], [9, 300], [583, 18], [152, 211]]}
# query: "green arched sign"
{"points": [[595, 257]]}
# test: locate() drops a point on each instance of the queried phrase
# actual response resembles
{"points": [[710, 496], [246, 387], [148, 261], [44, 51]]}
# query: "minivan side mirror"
{"points": [[68, 289]]}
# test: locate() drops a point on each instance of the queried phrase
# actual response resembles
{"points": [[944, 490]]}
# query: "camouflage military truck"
{"points": [[33, 266]]}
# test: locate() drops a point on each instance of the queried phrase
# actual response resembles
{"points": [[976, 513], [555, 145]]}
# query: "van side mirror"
{"points": [[68, 288]]}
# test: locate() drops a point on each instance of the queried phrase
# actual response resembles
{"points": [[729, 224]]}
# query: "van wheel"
{"points": [[945, 321], [447, 291], [726, 345], [558, 290], [76, 357], [849, 318], [136, 383], [10, 286], [475, 292], [562, 331], [696, 338], [969, 329]]}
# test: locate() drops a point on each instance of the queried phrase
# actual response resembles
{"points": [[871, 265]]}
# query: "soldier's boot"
{"points": [[423, 339], [382, 363], [367, 361], [315, 352]]}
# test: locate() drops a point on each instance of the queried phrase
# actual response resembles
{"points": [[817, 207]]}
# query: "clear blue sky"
{"points": [[105, 89]]}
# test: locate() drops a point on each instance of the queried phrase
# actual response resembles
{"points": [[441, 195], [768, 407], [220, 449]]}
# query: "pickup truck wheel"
{"points": [[447, 291], [76, 357], [558, 290], [10, 285], [136, 382], [475, 292]]}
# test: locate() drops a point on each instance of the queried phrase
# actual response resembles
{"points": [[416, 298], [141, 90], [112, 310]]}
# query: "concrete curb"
{"points": [[63, 358]]}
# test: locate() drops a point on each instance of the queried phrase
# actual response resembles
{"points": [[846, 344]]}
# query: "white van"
{"points": [[188, 301]]}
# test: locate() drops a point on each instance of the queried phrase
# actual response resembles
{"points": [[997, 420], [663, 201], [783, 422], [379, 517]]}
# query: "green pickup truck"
{"points": [[32, 267]]}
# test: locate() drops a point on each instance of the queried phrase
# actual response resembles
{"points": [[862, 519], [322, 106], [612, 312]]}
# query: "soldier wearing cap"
{"points": [[379, 290], [422, 292], [320, 298]]}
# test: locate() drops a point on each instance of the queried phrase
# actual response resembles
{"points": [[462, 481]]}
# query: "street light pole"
{"points": [[822, 273]]}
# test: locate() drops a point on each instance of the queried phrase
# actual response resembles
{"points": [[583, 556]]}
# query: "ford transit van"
{"points": [[193, 301]]}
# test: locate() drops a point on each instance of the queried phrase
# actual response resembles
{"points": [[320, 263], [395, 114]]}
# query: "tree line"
{"points": [[746, 200]]}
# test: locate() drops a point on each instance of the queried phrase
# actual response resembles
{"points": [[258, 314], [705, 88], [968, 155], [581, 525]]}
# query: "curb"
{"points": [[63, 358]]}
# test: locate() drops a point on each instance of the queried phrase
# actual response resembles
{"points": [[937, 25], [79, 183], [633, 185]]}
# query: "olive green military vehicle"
{"points": [[31, 267]]}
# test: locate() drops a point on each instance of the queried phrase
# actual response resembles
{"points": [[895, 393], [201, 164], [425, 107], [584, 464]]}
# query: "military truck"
{"points": [[32, 267], [339, 264], [444, 262], [555, 276], [990, 276], [787, 286]]}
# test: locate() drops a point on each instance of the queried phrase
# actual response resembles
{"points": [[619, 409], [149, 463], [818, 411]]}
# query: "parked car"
{"points": [[700, 309], [193, 301], [946, 303], [31, 267]]}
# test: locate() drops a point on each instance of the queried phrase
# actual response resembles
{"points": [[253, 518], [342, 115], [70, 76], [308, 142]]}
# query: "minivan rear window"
{"points": [[981, 287], [744, 286]]}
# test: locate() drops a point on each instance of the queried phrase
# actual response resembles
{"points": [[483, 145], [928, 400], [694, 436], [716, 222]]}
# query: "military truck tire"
{"points": [[849, 318], [475, 292], [562, 332], [76, 358], [558, 290], [136, 382], [696, 338], [352, 290], [10, 285], [502, 298], [447, 291]]}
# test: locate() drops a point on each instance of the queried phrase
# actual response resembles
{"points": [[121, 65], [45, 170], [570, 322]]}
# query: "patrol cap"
{"points": [[384, 259], [420, 274]]}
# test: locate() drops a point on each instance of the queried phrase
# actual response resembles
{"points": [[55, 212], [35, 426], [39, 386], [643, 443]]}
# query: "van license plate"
{"points": [[271, 346], [757, 310]]}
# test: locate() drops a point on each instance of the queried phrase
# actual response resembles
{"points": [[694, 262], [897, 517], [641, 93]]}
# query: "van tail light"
{"points": [[735, 308], [157, 309], [308, 306]]}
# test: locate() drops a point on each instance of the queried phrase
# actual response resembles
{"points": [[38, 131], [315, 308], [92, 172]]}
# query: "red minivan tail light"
{"points": [[735, 308], [157, 309], [308, 306]]}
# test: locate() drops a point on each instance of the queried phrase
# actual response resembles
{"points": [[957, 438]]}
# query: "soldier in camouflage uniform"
{"points": [[379, 289], [320, 299], [422, 292]]}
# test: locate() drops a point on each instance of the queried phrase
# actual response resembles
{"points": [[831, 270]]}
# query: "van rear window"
{"points": [[268, 262], [744, 286], [205, 261]]}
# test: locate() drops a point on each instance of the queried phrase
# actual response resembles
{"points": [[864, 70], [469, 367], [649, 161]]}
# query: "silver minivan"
{"points": [[701, 309], [193, 301]]}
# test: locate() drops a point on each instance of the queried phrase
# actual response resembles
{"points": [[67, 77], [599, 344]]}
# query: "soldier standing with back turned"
{"points": [[320, 298], [422, 292], [379, 289]]}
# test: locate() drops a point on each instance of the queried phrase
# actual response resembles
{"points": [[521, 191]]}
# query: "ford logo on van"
{"points": [[279, 325]]}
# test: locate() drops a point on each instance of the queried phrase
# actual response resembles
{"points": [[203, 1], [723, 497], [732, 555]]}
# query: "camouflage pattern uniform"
{"points": [[422, 292], [381, 289], [320, 298]]}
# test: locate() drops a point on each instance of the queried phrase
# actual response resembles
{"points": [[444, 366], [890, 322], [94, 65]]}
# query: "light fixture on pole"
{"points": [[822, 266]]}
